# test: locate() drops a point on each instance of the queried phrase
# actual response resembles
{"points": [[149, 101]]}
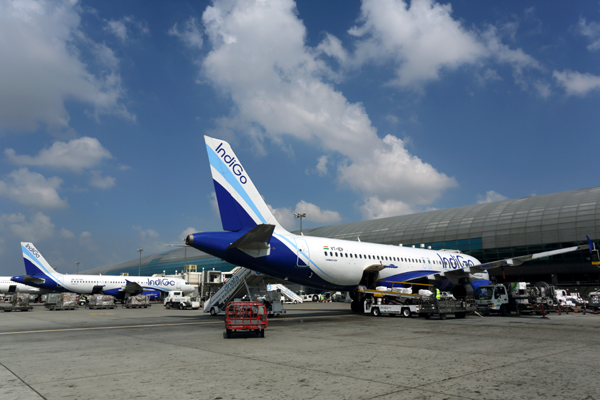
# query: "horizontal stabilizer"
{"points": [[256, 241], [32, 279]]}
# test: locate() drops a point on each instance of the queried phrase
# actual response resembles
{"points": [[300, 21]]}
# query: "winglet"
{"points": [[591, 244]]}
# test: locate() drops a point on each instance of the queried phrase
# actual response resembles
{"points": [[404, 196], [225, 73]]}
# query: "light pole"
{"points": [[300, 216], [77, 263], [140, 264]]}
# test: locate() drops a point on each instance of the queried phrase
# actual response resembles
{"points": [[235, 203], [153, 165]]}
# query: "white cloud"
{"points": [[490, 197], [575, 83], [187, 232], [422, 38], [66, 234], [591, 31], [322, 165], [517, 59], [543, 89], [190, 34], [75, 155], [149, 240], [32, 189], [86, 240], [392, 172], [125, 27], [101, 182], [374, 208], [40, 226], [146, 233], [259, 58], [285, 217], [42, 67], [315, 214], [332, 46]]}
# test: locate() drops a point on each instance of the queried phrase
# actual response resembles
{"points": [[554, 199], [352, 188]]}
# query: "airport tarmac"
{"points": [[315, 351]]}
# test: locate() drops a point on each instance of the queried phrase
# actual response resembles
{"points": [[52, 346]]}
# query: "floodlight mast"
{"points": [[140, 264], [300, 216]]}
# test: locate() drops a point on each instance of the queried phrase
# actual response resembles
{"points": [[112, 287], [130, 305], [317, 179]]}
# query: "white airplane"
{"points": [[8, 286], [41, 275], [255, 239]]}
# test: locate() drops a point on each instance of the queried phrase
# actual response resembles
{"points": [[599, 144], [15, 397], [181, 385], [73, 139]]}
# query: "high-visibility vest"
{"points": [[437, 293]]}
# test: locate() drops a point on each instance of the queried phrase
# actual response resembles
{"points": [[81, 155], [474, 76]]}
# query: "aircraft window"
{"points": [[325, 253], [336, 254]]}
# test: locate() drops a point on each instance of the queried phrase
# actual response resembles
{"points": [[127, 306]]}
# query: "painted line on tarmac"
{"points": [[110, 327], [157, 325]]}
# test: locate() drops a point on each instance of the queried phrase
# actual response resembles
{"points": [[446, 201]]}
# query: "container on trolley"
{"points": [[250, 316]]}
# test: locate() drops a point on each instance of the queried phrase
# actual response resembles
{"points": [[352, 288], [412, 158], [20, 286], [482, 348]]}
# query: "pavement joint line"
{"points": [[529, 359], [109, 327], [148, 325], [25, 383]]}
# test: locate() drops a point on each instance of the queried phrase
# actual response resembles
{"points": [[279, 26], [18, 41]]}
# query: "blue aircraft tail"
{"points": [[240, 204], [35, 263]]}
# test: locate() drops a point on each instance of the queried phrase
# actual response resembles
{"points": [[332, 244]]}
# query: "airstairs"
{"points": [[243, 282], [285, 292]]}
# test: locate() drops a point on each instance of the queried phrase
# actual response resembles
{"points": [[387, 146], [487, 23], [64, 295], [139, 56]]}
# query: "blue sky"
{"points": [[345, 110]]}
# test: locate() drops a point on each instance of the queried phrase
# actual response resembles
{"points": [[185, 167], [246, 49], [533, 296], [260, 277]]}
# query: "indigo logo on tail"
{"points": [[231, 162], [32, 250]]}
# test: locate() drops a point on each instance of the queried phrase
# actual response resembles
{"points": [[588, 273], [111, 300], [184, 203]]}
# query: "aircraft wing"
{"points": [[474, 269], [378, 267], [507, 262], [514, 261], [133, 287]]}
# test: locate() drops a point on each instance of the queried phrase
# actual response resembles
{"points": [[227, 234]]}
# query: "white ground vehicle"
{"points": [[406, 310], [310, 297], [176, 299]]}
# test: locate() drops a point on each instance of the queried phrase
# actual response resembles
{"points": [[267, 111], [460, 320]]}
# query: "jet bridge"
{"points": [[243, 282]]}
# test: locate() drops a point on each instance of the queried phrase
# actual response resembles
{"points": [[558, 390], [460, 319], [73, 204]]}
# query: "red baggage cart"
{"points": [[246, 316]]}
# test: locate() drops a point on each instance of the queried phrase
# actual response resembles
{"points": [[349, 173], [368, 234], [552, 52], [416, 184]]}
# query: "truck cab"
{"points": [[492, 298]]}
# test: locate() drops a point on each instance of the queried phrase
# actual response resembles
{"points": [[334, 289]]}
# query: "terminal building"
{"points": [[488, 231]]}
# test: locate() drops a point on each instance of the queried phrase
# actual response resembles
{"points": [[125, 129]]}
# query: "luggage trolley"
{"points": [[246, 316]]}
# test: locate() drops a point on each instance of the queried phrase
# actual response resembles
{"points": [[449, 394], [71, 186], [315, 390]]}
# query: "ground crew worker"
{"points": [[437, 293]]}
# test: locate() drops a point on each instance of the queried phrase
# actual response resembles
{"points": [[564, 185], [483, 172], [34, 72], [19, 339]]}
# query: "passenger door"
{"points": [[302, 250]]}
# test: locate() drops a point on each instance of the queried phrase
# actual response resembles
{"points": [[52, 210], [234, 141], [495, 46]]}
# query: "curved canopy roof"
{"points": [[550, 218]]}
